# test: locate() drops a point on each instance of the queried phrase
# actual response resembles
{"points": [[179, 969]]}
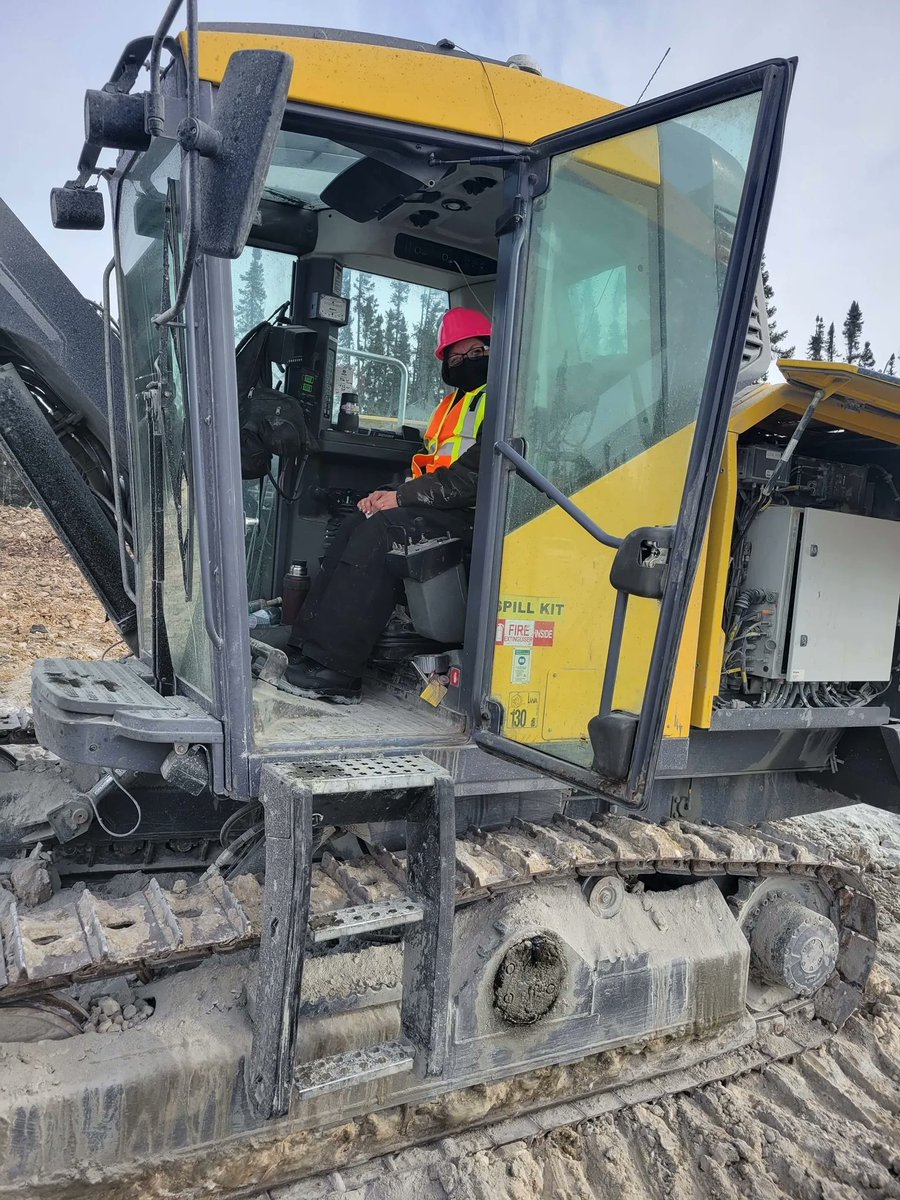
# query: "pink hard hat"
{"points": [[461, 323]]}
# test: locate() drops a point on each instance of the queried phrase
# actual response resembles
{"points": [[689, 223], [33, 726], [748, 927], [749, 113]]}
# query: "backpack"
{"points": [[270, 421]]}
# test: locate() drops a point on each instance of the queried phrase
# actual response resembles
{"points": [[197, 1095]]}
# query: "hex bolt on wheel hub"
{"points": [[529, 979], [793, 946]]}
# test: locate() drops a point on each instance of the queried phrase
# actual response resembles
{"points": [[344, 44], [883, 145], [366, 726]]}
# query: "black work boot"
{"points": [[308, 678]]}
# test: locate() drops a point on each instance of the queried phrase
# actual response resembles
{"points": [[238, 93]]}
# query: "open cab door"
{"points": [[628, 263]]}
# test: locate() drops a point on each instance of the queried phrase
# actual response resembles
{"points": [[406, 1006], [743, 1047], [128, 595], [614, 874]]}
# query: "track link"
{"points": [[87, 937]]}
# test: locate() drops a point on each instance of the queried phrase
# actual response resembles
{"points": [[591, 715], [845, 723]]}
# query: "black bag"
{"points": [[271, 422]]}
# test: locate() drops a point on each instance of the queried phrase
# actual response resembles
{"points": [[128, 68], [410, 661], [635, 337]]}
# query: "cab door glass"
{"points": [[261, 282], [624, 270], [148, 232]]}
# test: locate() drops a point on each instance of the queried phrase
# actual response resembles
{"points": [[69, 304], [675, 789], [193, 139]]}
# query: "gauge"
{"points": [[334, 309]]}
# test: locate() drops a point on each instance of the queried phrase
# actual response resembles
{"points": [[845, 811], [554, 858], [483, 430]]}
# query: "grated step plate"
{"points": [[323, 1075], [372, 773], [364, 918]]}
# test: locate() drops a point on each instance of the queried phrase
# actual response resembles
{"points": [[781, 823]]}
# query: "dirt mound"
{"points": [[47, 610]]}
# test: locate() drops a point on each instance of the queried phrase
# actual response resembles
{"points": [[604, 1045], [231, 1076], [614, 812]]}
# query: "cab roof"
{"points": [[408, 82]]}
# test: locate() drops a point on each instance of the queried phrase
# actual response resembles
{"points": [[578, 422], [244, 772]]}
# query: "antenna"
{"points": [[472, 291], [653, 76]]}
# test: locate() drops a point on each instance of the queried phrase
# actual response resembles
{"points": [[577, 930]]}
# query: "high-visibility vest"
{"points": [[451, 431]]}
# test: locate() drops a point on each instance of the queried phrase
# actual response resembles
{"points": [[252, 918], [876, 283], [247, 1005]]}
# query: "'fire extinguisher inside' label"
{"points": [[526, 634]]}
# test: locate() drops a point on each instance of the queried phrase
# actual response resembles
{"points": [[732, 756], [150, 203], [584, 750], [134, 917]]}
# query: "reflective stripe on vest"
{"points": [[451, 431]]}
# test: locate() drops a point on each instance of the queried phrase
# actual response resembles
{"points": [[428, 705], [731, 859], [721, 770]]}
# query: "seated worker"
{"points": [[352, 597]]}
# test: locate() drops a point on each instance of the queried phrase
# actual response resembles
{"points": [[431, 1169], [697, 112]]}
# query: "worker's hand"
{"points": [[377, 502]]}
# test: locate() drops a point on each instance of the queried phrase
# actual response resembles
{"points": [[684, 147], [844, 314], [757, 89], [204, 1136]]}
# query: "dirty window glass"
{"points": [[149, 250]]}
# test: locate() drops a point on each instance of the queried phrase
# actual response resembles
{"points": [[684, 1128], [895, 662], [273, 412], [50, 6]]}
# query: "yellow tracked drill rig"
{"points": [[535, 841]]}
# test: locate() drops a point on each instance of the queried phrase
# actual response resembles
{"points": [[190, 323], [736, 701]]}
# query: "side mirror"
{"points": [[74, 207], [245, 122]]}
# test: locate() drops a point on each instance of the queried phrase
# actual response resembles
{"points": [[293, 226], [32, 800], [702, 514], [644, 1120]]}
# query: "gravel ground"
{"points": [[47, 610]]}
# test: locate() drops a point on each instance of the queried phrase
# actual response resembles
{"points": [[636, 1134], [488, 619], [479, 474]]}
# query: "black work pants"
{"points": [[353, 595]]}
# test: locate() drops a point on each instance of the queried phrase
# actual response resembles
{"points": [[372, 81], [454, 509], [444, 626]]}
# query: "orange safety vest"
{"points": [[451, 431]]}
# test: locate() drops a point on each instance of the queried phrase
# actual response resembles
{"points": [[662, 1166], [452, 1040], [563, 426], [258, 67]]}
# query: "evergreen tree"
{"points": [[396, 340], [776, 335], [830, 344], [382, 383], [867, 358], [817, 341], [889, 366], [345, 337], [427, 386], [365, 312], [852, 329], [396, 329], [251, 303]]}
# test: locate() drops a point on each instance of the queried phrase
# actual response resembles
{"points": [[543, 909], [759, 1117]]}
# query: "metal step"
{"points": [[352, 1068], [372, 773], [364, 918]]}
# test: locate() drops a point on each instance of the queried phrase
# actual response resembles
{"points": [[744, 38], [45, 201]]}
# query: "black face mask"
{"points": [[468, 375]]}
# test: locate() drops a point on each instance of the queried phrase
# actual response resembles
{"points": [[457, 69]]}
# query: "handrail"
{"points": [[551, 491], [156, 48], [192, 163], [397, 362], [113, 451]]}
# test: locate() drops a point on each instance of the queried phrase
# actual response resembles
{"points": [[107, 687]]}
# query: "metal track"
{"points": [[86, 937]]}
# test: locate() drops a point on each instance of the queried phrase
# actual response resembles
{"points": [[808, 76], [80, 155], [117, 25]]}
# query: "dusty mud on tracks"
{"points": [[825, 1126]]}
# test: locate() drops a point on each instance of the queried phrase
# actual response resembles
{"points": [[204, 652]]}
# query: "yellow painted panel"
{"points": [[635, 155], [758, 404], [407, 85], [847, 380], [714, 581], [678, 715], [556, 603], [869, 421], [880, 418]]}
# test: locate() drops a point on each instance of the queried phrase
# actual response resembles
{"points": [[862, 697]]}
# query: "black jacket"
{"points": [[447, 487]]}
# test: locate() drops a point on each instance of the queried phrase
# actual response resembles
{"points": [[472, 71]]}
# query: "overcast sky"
{"points": [[834, 233]]}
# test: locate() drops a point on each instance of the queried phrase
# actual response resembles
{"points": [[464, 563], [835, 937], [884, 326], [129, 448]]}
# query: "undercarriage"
{"points": [[594, 962]]}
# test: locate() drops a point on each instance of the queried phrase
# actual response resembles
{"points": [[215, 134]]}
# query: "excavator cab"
{"points": [[450, 856], [619, 260]]}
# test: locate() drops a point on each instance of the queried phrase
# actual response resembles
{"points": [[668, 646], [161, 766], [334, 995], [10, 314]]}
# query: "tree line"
{"points": [[401, 324], [826, 345], [402, 329]]}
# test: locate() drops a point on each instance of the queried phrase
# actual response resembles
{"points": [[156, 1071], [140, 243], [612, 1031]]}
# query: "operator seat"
{"points": [[434, 577]]}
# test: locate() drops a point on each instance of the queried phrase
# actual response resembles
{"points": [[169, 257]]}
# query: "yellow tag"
{"points": [[434, 692]]}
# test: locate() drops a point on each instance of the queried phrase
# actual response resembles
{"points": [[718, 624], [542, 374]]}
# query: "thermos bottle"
{"points": [[348, 413], [294, 590]]}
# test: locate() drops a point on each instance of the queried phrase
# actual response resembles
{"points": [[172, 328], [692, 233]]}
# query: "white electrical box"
{"points": [[835, 582]]}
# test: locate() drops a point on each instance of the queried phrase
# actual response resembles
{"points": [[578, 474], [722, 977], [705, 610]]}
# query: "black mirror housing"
{"points": [[115, 120], [76, 208], [246, 119]]}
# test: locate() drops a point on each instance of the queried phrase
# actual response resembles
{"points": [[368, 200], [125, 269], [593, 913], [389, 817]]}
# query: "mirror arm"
{"points": [[156, 118], [192, 155]]}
